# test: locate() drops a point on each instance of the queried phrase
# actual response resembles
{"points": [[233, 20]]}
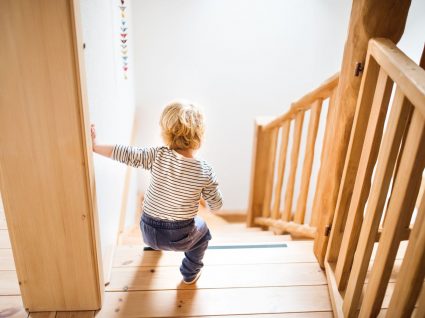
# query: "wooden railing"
{"points": [[267, 179], [388, 153]]}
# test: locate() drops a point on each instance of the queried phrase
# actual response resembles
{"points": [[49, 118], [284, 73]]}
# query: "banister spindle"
{"points": [[281, 168], [369, 153], [399, 214], [387, 157], [299, 119], [412, 270], [273, 133], [315, 215], [313, 126]]}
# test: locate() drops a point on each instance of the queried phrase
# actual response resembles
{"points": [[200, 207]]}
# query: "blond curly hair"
{"points": [[182, 125]]}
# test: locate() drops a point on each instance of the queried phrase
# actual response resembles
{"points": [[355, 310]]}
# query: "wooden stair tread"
{"points": [[12, 307], [217, 276], [63, 314], [76, 314], [228, 229], [302, 251], [211, 219], [199, 302], [9, 285], [43, 314], [87, 314], [240, 237], [222, 231], [237, 225], [4, 239], [3, 225], [316, 314], [232, 216], [81, 314], [6, 260], [247, 239]]}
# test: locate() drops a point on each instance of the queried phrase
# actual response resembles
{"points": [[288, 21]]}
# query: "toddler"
{"points": [[178, 180]]}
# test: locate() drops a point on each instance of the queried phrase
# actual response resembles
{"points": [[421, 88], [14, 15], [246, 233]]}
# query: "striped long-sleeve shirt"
{"points": [[176, 184]]}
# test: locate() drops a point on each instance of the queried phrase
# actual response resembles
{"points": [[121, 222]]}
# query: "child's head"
{"points": [[182, 126]]}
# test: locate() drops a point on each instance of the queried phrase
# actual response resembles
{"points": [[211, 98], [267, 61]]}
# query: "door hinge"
{"points": [[359, 69], [328, 230]]}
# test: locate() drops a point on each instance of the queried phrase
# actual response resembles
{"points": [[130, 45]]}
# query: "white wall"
{"points": [[111, 106], [412, 42], [237, 58]]}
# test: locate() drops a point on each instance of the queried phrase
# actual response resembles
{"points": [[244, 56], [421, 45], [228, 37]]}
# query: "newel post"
{"points": [[369, 18], [262, 166]]}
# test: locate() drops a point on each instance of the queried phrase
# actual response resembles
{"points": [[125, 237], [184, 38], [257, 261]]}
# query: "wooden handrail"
{"points": [[266, 182], [409, 76], [377, 149], [305, 102]]}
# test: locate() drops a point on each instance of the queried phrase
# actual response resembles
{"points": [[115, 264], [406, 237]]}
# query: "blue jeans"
{"points": [[189, 236]]}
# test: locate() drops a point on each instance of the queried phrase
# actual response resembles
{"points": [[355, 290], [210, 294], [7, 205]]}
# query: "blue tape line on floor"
{"points": [[227, 247]]}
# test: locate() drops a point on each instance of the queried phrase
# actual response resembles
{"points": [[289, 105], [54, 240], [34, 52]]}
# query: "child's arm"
{"points": [[104, 150], [211, 193], [129, 155]]}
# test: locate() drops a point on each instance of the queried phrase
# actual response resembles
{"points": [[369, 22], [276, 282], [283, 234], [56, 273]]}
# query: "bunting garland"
{"points": [[123, 38]]}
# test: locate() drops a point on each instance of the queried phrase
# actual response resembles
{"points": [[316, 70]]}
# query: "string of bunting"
{"points": [[124, 38]]}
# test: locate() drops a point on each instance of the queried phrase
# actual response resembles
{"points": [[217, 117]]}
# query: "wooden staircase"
{"points": [[241, 278], [253, 282], [248, 272]]}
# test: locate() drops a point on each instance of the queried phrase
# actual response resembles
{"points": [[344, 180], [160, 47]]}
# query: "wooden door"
{"points": [[46, 176]]}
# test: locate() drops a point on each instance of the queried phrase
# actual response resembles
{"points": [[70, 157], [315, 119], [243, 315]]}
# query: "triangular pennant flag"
{"points": [[124, 29], [123, 35], [125, 68], [123, 41], [122, 8], [124, 52], [125, 58], [123, 22], [122, 15], [123, 46]]}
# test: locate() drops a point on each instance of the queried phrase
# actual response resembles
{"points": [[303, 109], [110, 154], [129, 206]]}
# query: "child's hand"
{"points": [[104, 150], [93, 135]]}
